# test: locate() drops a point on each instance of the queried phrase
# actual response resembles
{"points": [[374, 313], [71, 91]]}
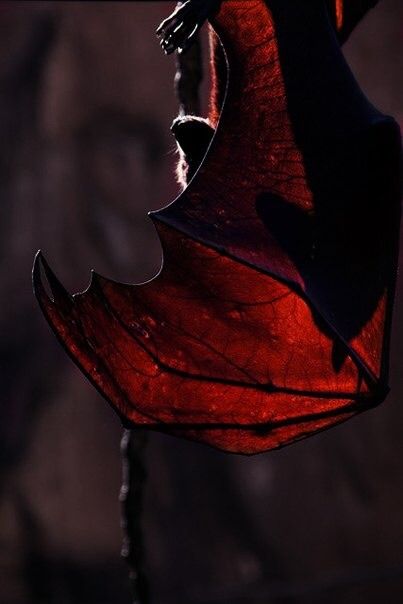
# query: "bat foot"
{"points": [[179, 30]]}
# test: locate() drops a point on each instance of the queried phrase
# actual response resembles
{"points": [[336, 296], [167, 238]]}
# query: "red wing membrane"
{"points": [[270, 318]]}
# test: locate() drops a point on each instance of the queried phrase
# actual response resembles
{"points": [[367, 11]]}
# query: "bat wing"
{"points": [[346, 14], [270, 317]]}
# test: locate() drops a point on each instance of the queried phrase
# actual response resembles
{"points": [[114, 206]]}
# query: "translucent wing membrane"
{"points": [[270, 318]]}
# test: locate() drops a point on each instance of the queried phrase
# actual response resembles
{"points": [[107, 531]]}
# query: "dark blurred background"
{"points": [[86, 101]]}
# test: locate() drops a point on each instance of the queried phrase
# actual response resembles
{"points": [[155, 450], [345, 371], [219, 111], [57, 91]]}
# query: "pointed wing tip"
{"points": [[58, 294], [96, 279], [49, 290], [37, 283], [153, 214]]}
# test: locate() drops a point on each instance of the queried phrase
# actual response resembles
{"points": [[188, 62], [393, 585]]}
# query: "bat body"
{"points": [[270, 318]]}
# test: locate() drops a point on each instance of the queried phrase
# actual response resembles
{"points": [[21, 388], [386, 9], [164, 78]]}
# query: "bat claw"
{"points": [[179, 30]]}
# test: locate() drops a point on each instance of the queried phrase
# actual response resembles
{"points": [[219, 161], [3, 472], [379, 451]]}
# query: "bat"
{"points": [[270, 318]]}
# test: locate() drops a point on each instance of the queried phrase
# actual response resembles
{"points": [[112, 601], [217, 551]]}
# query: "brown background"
{"points": [[86, 101]]}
